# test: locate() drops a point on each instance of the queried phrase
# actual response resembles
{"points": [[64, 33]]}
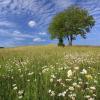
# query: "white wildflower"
{"points": [[20, 97], [71, 88], [68, 79], [69, 73], [92, 88], [84, 71], [14, 85], [49, 91], [74, 84], [20, 92], [91, 99], [95, 81], [76, 68], [80, 83], [15, 88], [94, 95], [53, 76], [87, 96], [52, 93], [31, 73], [62, 94], [28, 80], [51, 80], [59, 80]]}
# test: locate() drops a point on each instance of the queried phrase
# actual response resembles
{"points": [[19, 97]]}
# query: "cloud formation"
{"points": [[32, 23], [38, 39], [31, 19], [42, 33]]}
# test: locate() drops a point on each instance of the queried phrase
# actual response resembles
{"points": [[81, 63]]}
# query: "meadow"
{"points": [[50, 73]]}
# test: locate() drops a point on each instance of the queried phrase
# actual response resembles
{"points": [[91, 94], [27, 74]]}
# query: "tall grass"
{"points": [[50, 73]]}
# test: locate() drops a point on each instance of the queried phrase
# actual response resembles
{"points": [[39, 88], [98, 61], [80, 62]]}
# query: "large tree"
{"points": [[70, 23], [57, 27]]}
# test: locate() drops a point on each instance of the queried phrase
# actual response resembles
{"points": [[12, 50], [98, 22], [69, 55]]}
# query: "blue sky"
{"points": [[25, 22]]}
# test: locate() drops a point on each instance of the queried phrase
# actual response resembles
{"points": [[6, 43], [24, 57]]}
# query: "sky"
{"points": [[25, 22]]}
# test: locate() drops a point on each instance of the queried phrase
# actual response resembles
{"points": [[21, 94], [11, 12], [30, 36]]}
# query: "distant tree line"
{"points": [[1, 47], [70, 23]]}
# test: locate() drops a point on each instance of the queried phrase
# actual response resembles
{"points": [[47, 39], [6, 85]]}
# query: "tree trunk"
{"points": [[70, 43], [70, 39], [61, 42]]}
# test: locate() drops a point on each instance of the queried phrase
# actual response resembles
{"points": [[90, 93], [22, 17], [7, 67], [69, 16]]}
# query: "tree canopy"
{"points": [[70, 23]]}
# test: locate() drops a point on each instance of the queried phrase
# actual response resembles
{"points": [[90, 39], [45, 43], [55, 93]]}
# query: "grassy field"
{"points": [[50, 73]]}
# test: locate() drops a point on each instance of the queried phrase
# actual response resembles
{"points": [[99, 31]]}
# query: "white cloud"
{"points": [[62, 3], [4, 2], [18, 34], [32, 23], [19, 39], [44, 9], [7, 43], [14, 34], [38, 40], [10, 38], [42, 33], [6, 24]]}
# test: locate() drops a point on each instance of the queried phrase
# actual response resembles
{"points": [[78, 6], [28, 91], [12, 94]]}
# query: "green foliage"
{"points": [[56, 28], [70, 23], [78, 21]]}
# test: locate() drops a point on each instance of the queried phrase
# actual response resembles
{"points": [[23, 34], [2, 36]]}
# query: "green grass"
{"points": [[50, 73]]}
